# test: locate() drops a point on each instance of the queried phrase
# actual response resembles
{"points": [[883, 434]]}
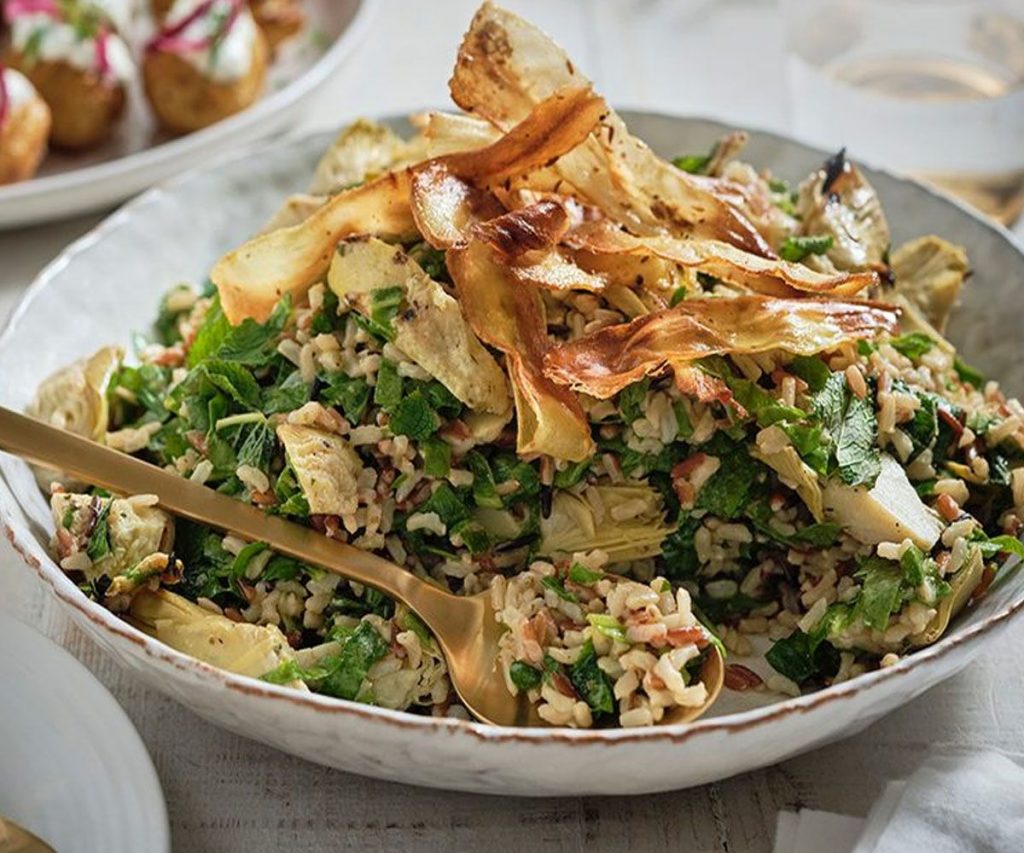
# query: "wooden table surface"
{"points": [[225, 793]]}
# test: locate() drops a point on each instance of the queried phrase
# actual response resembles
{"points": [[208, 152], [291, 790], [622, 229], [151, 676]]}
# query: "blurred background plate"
{"points": [[73, 769], [140, 155]]}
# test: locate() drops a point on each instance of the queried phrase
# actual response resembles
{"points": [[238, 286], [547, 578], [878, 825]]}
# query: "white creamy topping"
{"points": [[57, 41], [19, 90], [231, 57]]}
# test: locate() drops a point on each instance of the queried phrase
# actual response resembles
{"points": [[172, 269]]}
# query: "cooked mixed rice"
{"points": [[667, 466]]}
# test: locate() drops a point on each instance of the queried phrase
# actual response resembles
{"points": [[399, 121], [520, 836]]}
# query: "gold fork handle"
{"points": [[93, 463], [14, 838]]}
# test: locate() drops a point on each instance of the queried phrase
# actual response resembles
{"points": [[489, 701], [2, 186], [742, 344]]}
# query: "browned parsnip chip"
{"points": [[449, 194], [253, 278], [509, 316], [506, 66], [769, 276], [605, 362], [527, 240]]}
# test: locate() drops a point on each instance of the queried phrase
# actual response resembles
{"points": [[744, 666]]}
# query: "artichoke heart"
{"points": [[112, 535], [326, 467], [839, 202], [890, 511], [75, 398], [929, 273], [625, 521], [238, 647], [962, 586], [796, 474], [431, 330], [362, 151]]}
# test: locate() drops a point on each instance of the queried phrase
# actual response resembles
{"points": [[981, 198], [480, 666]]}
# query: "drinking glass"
{"points": [[931, 88]]}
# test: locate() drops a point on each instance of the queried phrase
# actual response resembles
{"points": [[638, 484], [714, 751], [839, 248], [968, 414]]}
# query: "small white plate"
{"points": [[140, 155], [73, 770]]}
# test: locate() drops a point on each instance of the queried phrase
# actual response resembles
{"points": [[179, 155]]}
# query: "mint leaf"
{"points": [[384, 305], [727, 492], [412, 416], [880, 595], [351, 394], [578, 573], [437, 457], [852, 425], [762, 405], [388, 392], [856, 454], [631, 401], [347, 670]]}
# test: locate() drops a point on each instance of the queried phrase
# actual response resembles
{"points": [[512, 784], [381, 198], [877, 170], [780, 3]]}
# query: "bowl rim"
{"points": [[180, 147], [164, 657]]}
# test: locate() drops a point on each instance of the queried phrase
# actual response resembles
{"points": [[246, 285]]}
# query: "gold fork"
{"points": [[14, 838], [465, 626]]}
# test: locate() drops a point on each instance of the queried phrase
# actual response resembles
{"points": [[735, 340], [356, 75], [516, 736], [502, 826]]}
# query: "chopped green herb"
{"points": [[812, 370], [448, 505], [913, 344], [437, 457], [795, 249], [388, 392], [572, 474], [485, 492], [591, 682], [880, 595], [993, 546], [608, 625], [558, 588], [695, 164], [385, 303], [473, 536], [631, 400], [346, 671], [241, 562], [578, 573], [678, 295], [351, 394], [524, 676], [968, 374], [412, 416], [98, 546]]}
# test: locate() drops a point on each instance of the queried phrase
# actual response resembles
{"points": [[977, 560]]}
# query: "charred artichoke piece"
{"points": [[929, 273]]}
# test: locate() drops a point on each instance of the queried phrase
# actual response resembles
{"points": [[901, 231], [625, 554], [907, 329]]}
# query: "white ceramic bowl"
{"points": [[140, 155], [108, 284], [75, 771]]}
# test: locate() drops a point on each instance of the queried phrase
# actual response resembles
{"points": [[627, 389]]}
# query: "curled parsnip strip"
{"points": [[605, 362], [452, 193], [769, 276], [506, 66], [509, 316], [253, 278]]}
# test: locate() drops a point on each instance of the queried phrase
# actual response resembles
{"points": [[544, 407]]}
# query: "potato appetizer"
{"points": [[24, 127], [279, 20], [79, 65], [208, 62]]}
